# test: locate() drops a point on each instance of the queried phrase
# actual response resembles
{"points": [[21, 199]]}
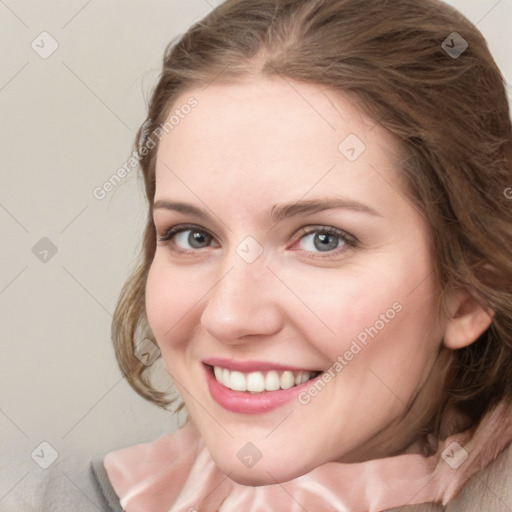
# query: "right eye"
{"points": [[187, 238]]}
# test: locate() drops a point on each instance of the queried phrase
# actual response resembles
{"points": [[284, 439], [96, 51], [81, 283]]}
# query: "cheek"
{"points": [[389, 341], [170, 301], [339, 309], [377, 308]]}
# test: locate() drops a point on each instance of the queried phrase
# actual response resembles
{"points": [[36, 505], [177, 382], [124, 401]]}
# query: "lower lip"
{"points": [[243, 402]]}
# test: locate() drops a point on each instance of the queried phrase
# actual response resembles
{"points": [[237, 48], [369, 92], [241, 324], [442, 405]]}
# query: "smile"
{"points": [[258, 382], [254, 387]]}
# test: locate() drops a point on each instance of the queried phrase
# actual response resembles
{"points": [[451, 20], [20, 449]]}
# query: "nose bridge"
{"points": [[240, 284], [245, 269], [241, 302]]}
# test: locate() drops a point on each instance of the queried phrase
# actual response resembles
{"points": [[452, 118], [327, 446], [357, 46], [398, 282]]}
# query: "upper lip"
{"points": [[251, 366]]}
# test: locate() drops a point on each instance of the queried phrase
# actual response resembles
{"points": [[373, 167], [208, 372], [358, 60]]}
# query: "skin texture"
{"points": [[246, 147]]}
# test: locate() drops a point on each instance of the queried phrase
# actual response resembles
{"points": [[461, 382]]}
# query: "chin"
{"points": [[263, 473], [249, 478]]}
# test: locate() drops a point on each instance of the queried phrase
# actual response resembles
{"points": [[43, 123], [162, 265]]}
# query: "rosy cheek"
{"points": [[354, 311], [367, 322], [164, 307]]}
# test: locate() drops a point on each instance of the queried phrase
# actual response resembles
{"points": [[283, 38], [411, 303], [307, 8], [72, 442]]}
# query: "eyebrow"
{"points": [[279, 211], [308, 207]]}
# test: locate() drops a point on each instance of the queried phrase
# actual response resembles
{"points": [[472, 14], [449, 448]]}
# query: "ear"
{"points": [[467, 320]]}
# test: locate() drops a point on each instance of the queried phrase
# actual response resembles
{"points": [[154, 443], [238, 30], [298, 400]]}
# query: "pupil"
{"points": [[197, 239], [325, 242]]}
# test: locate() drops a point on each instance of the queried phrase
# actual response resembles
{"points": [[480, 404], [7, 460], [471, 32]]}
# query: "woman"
{"points": [[327, 264]]}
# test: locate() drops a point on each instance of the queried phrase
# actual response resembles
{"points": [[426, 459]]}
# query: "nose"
{"points": [[243, 303]]}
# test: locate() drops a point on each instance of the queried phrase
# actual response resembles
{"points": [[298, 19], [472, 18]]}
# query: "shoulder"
{"points": [[490, 489], [105, 492], [147, 471]]}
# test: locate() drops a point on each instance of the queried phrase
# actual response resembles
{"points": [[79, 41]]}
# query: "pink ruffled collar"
{"points": [[175, 473]]}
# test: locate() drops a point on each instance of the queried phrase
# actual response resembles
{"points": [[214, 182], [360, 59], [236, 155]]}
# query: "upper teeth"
{"points": [[256, 382]]}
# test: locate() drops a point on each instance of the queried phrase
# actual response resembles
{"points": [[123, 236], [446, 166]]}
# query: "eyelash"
{"points": [[349, 241]]}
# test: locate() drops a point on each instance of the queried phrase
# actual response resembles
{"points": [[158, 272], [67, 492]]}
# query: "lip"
{"points": [[252, 366], [242, 402]]}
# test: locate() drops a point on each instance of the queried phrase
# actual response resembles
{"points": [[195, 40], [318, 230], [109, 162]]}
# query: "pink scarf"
{"points": [[175, 473]]}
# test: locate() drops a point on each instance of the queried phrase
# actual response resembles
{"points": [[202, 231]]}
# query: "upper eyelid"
{"points": [[180, 228], [310, 228], [186, 225]]}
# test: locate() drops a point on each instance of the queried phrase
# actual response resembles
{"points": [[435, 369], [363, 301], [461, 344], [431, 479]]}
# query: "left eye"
{"points": [[322, 241]]}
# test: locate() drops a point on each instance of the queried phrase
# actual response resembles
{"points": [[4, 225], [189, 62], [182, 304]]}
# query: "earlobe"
{"points": [[467, 321]]}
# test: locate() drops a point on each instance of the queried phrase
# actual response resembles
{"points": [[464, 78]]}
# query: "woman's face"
{"points": [[298, 257]]}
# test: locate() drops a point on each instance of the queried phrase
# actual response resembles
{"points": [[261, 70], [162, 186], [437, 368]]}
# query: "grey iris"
{"points": [[198, 240], [325, 242]]}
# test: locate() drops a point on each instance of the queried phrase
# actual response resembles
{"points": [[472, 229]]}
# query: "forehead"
{"points": [[260, 109], [284, 137]]}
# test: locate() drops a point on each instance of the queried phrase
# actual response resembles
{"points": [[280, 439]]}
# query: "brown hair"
{"points": [[449, 111]]}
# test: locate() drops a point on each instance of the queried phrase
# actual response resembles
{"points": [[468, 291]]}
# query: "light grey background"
{"points": [[67, 124]]}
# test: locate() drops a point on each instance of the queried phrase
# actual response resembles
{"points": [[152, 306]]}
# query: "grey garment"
{"points": [[424, 507], [489, 490], [106, 494]]}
